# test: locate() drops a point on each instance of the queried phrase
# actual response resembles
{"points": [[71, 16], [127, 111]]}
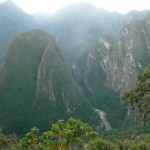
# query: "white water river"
{"points": [[102, 116]]}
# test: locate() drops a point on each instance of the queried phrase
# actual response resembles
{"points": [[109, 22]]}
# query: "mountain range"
{"points": [[75, 28], [80, 64]]}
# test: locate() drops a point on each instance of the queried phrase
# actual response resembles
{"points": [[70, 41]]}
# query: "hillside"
{"points": [[111, 64], [36, 87]]}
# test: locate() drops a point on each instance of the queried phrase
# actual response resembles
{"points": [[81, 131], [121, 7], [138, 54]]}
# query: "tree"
{"points": [[71, 135], [138, 98]]}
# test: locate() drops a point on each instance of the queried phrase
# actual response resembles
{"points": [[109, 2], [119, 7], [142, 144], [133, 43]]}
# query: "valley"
{"points": [[72, 65], [102, 115]]}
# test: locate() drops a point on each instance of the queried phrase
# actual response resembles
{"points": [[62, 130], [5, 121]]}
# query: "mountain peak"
{"points": [[10, 7], [38, 82]]}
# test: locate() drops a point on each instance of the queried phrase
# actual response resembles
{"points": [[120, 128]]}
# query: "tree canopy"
{"points": [[138, 98], [61, 136]]}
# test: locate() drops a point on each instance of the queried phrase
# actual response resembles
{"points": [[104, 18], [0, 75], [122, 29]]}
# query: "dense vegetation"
{"points": [[73, 135], [138, 98], [80, 136]]}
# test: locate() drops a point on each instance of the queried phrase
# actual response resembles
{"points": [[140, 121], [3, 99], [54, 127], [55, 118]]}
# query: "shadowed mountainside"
{"points": [[36, 87]]}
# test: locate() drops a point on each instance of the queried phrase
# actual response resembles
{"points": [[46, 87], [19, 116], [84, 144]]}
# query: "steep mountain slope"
{"points": [[89, 73], [77, 26], [112, 63], [120, 58], [36, 87], [12, 21], [130, 55]]}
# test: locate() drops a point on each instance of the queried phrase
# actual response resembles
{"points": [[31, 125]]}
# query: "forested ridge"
{"points": [[78, 135]]}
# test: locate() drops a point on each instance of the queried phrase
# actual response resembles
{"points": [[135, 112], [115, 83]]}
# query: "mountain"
{"points": [[89, 73], [36, 88], [120, 58], [130, 55], [135, 15], [12, 21], [111, 64], [77, 26], [74, 27]]}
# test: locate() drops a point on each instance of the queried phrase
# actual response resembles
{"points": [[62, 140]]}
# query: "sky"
{"points": [[51, 6]]}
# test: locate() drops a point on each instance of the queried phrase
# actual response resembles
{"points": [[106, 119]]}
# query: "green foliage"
{"points": [[126, 132], [72, 134], [138, 98], [135, 143], [99, 144], [9, 142]]}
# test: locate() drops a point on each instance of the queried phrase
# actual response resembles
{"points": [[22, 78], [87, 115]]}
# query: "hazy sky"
{"points": [[51, 6]]}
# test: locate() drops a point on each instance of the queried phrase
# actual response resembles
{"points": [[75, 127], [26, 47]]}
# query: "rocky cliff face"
{"points": [[90, 74], [110, 66], [130, 55], [120, 58], [36, 87]]}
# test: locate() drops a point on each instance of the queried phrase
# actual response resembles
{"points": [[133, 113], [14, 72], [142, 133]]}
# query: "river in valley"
{"points": [[102, 116]]}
